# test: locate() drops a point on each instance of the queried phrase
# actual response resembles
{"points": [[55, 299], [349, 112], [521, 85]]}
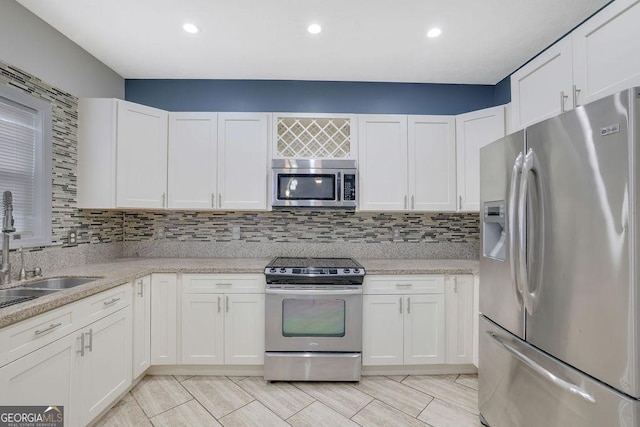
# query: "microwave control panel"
{"points": [[349, 187]]}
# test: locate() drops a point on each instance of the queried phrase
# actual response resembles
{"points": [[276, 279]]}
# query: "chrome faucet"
{"points": [[7, 229]]}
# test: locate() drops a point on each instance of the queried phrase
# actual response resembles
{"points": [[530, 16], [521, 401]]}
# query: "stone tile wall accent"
{"points": [[303, 226], [93, 226]]}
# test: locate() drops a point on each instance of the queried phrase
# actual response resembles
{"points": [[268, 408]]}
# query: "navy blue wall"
{"points": [[502, 91], [314, 96]]}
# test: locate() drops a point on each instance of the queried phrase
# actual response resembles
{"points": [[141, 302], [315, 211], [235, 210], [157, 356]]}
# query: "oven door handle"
{"points": [[298, 292]]}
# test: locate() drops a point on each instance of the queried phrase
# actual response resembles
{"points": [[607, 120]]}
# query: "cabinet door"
{"points": [[382, 330], [424, 329], [164, 319], [192, 172], [141, 325], [46, 377], [244, 329], [474, 130], [141, 156], [106, 364], [432, 163], [202, 329], [383, 162], [459, 319], [605, 51], [543, 87], [242, 160]]}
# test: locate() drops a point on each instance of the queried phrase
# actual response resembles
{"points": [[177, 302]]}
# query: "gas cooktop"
{"points": [[313, 269]]}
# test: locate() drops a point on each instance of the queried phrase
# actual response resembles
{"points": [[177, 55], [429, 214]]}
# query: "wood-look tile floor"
{"points": [[416, 400]]}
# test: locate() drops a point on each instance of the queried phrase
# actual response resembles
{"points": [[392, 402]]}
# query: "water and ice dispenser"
{"points": [[494, 233]]}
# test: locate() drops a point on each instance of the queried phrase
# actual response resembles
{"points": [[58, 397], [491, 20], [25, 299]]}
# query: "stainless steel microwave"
{"points": [[314, 183]]}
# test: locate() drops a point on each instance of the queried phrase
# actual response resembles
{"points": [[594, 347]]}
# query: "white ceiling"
{"points": [[483, 41]]}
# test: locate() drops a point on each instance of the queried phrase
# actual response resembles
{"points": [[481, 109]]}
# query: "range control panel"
{"points": [[313, 272]]}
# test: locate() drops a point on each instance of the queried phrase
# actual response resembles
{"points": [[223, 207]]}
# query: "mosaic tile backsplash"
{"points": [[296, 226]]}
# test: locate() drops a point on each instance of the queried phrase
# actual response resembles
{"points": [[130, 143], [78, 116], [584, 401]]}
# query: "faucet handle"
{"points": [[37, 272]]}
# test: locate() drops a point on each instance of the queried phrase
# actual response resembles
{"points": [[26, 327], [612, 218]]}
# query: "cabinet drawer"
{"points": [[409, 284], [32, 334], [223, 283], [107, 302]]}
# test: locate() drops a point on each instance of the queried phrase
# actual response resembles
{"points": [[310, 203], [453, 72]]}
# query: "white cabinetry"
{"points": [[193, 157], [543, 88], [404, 321], [243, 141], [597, 59], [605, 51], [85, 370], [407, 163], [222, 319], [473, 131], [141, 325], [164, 319], [459, 307], [122, 155]]}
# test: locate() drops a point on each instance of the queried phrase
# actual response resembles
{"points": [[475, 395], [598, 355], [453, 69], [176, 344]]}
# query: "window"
{"points": [[25, 165]]}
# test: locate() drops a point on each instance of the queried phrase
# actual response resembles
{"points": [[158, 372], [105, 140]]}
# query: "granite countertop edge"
{"points": [[121, 271]]}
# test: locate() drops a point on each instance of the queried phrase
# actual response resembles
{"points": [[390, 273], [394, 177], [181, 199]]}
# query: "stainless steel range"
{"points": [[313, 319]]}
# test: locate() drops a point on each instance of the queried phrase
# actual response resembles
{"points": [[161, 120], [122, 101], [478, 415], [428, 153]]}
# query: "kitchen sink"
{"points": [[58, 283], [17, 295]]}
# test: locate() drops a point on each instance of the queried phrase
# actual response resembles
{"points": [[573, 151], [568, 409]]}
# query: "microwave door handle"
{"points": [[339, 185]]}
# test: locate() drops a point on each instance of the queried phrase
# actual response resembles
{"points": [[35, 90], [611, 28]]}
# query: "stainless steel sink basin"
{"points": [[58, 283], [17, 295]]}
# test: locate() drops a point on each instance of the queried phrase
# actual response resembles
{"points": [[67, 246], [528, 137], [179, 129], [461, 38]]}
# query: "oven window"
{"points": [[306, 187], [313, 318]]}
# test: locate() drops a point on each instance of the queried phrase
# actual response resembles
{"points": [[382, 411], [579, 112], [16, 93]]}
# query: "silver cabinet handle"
{"points": [[224, 284], [113, 301], [218, 304], [460, 203], [219, 200], [563, 98], [405, 202], [227, 305], [576, 92], [560, 382], [90, 346], [408, 305], [49, 329], [213, 200], [140, 288], [455, 285], [400, 300], [512, 215], [413, 205], [81, 351], [404, 285], [164, 197]]}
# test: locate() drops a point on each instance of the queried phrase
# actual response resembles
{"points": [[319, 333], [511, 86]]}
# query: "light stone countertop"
{"points": [[120, 271]]}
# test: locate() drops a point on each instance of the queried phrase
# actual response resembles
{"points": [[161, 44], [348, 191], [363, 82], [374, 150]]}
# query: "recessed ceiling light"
{"points": [[434, 32], [190, 28], [314, 28]]}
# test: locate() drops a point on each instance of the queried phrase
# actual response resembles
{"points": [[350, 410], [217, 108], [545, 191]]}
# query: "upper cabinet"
{"points": [[597, 59], [605, 51], [243, 140], [407, 163], [473, 131], [193, 156], [122, 155]]}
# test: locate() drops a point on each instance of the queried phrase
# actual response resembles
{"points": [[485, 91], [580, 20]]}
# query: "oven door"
{"points": [[313, 320]]}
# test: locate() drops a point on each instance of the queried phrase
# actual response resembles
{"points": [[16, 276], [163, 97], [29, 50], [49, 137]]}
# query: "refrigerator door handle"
{"points": [[560, 382], [512, 224], [530, 165]]}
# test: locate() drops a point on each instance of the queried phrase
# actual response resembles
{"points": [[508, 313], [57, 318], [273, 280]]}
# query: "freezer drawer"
{"points": [[520, 386]]}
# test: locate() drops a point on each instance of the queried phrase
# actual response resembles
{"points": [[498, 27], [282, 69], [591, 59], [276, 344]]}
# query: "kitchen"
{"points": [[391, 232]]}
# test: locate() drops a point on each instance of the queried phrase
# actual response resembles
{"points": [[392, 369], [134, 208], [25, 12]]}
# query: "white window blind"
{"points": [[25, 165]]}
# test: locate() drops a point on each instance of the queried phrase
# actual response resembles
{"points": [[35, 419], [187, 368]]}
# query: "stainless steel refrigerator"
{"points": [[559, 270]]}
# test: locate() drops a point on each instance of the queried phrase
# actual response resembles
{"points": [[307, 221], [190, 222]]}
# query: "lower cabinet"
{"points": [[223, 323], [84, 371], [404, 320], [164, 319], [141, 325], [459, 306]]}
